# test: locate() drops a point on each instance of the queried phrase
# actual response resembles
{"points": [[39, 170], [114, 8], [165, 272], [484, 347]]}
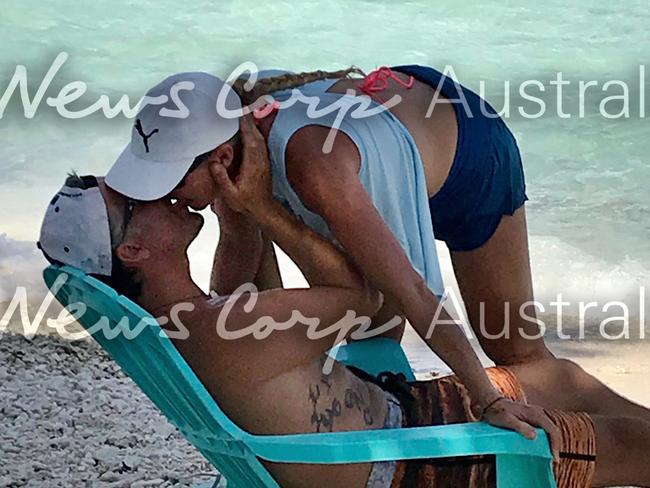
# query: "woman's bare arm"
{"points": [[328, 184], [335, 192]]}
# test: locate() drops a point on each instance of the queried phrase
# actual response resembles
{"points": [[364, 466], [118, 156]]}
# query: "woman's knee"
{"points": [[572, 369], [576, 376]]}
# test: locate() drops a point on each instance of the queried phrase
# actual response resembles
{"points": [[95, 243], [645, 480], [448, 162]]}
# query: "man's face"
{"points": [[164, 228], [169, 228]]}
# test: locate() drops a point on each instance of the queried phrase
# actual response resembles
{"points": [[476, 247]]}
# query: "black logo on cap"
{"points": [[145, 137]]}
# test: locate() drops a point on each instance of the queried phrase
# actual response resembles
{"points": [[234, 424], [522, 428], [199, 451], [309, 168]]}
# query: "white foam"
{"points": [[21, 264], [561, 268]]}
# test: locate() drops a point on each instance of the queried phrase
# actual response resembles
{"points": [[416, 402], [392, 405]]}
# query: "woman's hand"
{"points": [[230, 219], [250, 191], [523, 418]]}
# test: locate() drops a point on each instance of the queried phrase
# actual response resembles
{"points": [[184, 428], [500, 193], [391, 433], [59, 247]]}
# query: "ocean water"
{"points": [[588, 177]]}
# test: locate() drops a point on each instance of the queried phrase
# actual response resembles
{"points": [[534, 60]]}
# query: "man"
{"points": [[278, 385]]}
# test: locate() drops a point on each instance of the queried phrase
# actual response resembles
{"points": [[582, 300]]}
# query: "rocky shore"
{"points": [[70, 418]]}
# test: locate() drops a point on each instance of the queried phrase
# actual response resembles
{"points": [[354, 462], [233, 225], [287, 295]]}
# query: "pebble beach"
{"points": [[71, 418]]}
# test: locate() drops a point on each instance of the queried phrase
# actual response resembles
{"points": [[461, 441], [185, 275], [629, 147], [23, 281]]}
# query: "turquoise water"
{"points": [[588, 177]]}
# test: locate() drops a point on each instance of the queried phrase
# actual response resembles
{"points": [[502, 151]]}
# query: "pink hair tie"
{"points": [[377, 80], [266, 110]]}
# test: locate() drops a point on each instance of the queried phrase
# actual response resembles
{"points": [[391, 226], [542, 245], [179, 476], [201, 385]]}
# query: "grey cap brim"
{"points": [[143, 179]]}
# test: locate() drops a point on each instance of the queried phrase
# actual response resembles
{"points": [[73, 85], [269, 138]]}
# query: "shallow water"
{"points": [[587, 177]]}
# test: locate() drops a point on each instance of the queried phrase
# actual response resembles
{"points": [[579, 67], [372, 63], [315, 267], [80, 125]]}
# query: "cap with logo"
{"points": [[180, 119]]}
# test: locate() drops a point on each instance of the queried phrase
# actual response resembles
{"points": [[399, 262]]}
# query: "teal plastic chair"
{"points": [[374, 356], [136, 342]]}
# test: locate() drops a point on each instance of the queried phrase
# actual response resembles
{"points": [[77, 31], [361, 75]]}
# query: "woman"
{"points": [[386, 185]]}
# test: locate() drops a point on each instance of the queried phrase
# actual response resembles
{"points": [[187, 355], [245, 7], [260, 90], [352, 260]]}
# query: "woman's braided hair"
{"points": [[266, 86], [286, 81]]}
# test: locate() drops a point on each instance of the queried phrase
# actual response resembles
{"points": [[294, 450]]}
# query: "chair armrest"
{"points": [[397, 444]]}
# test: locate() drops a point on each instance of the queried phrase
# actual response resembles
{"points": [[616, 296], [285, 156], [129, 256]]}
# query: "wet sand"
{"points": [[622, 365]]}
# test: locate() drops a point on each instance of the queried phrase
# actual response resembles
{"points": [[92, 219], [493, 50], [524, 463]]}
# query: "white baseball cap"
{"points": [[180, 119], [76, 229]]}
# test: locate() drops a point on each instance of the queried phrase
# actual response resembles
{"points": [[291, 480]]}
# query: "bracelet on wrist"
{"points": [[491, 404]]}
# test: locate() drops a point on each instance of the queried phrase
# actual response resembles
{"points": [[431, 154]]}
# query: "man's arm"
{"points": [[243, 254], [268, 275], [239, 252], [336, 285], [320, 261]]}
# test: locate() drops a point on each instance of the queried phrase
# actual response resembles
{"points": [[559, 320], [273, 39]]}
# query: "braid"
{"points": [[287, 81]]}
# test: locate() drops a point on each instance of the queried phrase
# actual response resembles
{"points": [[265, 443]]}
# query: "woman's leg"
{"points": [[495, 281], [623, 445], [563, 385]]}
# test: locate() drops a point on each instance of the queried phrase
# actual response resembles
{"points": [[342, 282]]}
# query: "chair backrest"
{"points": [[374, 357], [142, 349]]}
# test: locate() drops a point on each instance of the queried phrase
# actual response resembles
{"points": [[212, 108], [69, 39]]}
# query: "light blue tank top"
{"points": [[391, 171]]}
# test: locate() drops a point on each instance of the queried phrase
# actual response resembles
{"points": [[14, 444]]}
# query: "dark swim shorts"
{"points": [[486, 180]]}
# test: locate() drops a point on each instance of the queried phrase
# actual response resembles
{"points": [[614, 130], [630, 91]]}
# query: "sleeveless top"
{"points": [[391, 169]]}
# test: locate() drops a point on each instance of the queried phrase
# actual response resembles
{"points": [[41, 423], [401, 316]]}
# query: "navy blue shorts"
{"points": [[486, 180]]}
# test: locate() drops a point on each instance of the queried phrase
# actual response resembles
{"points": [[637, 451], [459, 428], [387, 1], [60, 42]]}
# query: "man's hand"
{"points": [[523, 418], [250, 190]]}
